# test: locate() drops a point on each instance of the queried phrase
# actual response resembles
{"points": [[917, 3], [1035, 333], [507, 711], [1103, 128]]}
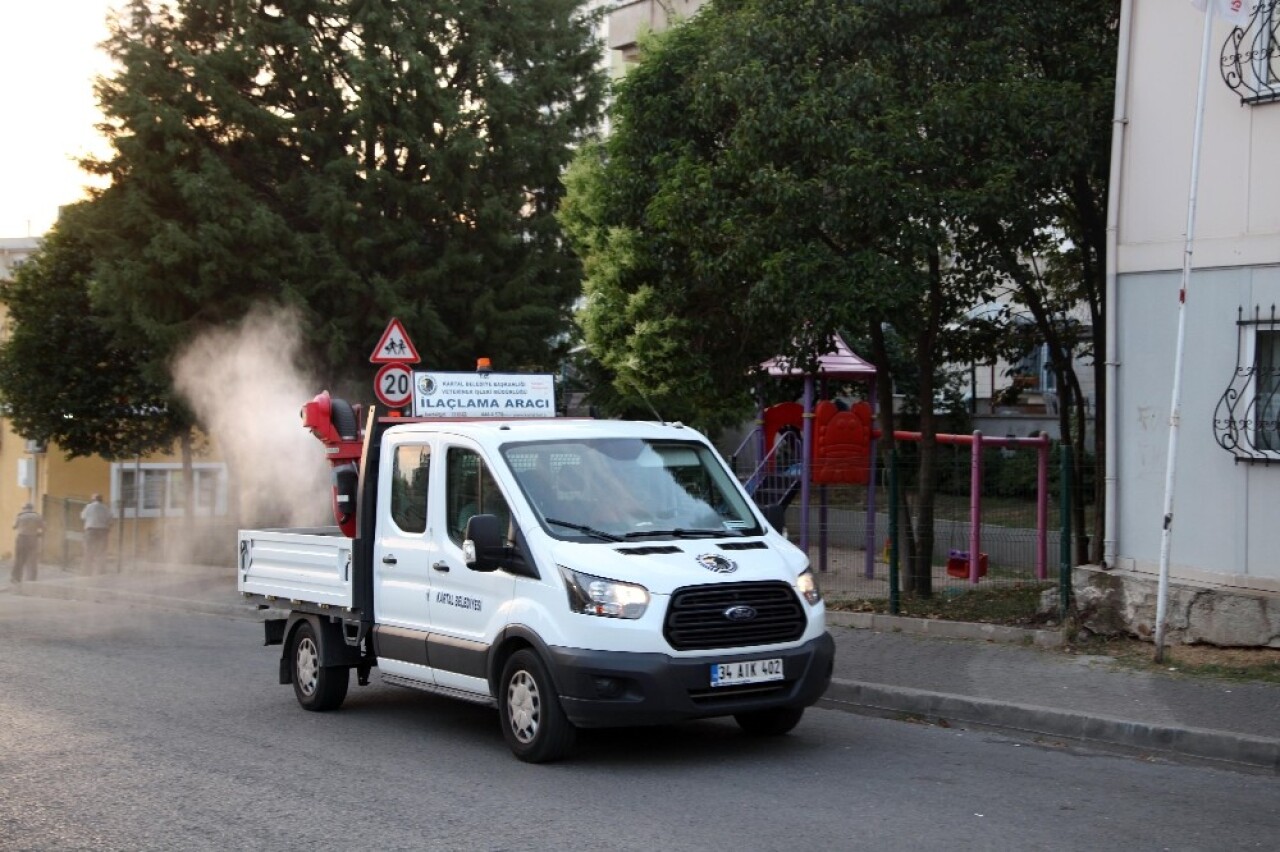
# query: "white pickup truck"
{"points": [[574, 573]]}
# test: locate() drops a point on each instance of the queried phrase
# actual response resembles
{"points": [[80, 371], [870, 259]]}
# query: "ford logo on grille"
{"points": [[717, 563], [740, 613]]}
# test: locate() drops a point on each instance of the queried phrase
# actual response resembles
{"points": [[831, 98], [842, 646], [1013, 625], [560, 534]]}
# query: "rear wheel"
{"points": [[317, 687], [533, 722], [770, 723]]}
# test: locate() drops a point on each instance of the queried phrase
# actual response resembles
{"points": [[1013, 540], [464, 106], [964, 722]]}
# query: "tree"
{"points": [[63, 378], [780, 171], [1047, 238], [358, 160]]}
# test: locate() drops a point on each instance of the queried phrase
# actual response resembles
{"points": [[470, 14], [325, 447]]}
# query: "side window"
{"points": [[471, 490], [409, 476]]}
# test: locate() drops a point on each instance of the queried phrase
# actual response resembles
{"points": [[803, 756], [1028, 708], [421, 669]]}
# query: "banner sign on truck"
{"points": [[483, 395]]}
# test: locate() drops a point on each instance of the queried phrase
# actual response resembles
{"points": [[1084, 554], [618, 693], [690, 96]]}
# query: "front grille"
{"points": [[696, 618], [649, 550], [743, 545]]}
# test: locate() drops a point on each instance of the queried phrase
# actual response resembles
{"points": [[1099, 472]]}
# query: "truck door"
{"points": [[403, 554], [467, 607]]}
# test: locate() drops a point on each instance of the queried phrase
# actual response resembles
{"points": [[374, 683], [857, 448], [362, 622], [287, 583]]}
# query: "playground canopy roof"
{"points": [[839, 363]]}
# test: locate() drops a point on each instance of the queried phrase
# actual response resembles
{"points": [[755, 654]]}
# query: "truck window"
{"points": [[411, 467], [471, 490]]}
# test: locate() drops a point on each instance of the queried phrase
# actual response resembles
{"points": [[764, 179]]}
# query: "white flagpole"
{"points": [[1175, 412]]}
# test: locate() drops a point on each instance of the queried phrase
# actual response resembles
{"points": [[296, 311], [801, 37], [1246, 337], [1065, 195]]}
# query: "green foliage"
{"points": [[63, 376], [354, 160], [783, 169]]}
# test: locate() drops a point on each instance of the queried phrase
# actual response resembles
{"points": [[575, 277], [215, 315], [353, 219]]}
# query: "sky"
{"points": [[48, 59]]}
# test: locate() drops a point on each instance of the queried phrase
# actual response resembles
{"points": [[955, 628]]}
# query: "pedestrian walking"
{"points": [[96, 516], [26, 551]]}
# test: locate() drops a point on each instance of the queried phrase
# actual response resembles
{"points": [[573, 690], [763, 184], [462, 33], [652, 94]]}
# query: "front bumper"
{"points": [[600, 689]]}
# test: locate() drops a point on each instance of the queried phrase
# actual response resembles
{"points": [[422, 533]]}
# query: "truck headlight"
{"points": [[608, 598], [807, 584]]}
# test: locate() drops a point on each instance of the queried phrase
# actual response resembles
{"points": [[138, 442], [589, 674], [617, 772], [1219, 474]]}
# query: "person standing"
{"points": [[96, 516], [26, 551]]}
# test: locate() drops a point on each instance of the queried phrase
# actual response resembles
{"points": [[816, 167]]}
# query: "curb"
{"points": [[946, 629], [89, 594], [1215, 747]]}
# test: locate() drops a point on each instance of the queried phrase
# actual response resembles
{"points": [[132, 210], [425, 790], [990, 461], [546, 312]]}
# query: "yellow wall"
{"points": [[60, 489]]}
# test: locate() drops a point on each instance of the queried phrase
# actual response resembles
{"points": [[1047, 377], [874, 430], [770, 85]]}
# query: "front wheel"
{"points": [[316, 687], [533, 722], [770, 723]]}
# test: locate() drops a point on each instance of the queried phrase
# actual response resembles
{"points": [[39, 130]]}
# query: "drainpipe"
{"points": [[1119, 122]]}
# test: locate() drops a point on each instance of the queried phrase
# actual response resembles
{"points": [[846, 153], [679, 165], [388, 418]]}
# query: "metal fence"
{"points": [[131, 540], [1023, 533]]}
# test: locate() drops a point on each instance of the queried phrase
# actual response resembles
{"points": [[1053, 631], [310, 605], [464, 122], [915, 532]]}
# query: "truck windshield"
{"points": [[629, 489]]}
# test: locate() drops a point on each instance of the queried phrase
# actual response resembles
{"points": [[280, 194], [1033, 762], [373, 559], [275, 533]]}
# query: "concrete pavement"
{"points": [[958, 674]]}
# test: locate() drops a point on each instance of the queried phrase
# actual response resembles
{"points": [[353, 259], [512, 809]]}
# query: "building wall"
{"points": [[1224, 532], [1238, 205], [631, 19]]}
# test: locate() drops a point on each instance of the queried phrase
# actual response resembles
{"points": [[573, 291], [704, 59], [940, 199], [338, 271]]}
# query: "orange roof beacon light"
{"points": [[484, 366]]}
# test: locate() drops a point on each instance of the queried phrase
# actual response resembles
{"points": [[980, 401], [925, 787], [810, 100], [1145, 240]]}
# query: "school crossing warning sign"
{"points": [[394, 347]]}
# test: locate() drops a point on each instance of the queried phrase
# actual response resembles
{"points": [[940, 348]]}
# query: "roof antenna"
{"points": [[641, 394]]}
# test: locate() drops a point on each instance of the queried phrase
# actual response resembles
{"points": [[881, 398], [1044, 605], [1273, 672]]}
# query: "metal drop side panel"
{"points": [[296, 566]]}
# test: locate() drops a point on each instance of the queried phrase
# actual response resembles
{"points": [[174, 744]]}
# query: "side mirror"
{"points": [[482, 546]]}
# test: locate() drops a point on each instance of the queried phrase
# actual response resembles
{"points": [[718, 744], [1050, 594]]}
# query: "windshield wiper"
{"points": [[583, 528], [681, 532]]}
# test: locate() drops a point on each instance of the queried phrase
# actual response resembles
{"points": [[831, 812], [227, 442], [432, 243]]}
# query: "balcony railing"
{"points": [[1251, 56]]}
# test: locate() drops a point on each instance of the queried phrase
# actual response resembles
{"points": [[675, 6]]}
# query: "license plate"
{"points": [[750, 671]]}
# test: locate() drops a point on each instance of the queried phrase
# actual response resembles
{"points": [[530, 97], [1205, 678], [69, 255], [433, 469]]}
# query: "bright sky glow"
{"points": [[48, 58]]}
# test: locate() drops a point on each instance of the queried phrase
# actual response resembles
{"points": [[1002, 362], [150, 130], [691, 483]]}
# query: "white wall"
{"points": [[1227, 514], [1227, 523], [1238, 209]]}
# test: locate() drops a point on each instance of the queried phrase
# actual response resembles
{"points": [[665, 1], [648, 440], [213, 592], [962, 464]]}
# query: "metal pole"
{"points": [[1175, 408], [894, 602], [1064, 537], [1042, 509], [806, 470], [975, 505], [869, 556]]}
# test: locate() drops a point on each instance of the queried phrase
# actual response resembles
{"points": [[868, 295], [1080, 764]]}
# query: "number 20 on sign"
{"points": [[394, 385]]}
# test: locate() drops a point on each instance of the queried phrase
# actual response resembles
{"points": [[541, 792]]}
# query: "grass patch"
{"points": [[1235, 664], [1014, 605]]}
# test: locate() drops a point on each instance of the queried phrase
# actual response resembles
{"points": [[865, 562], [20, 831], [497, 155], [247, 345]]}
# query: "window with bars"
{"points": [[156, 490], [1246, 421], [1250, 60]]}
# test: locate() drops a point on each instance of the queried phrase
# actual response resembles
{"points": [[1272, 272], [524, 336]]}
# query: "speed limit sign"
{"points": [[394, 385]]}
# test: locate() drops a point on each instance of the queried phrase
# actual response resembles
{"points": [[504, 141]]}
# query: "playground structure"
{"points": [[821, 442]]}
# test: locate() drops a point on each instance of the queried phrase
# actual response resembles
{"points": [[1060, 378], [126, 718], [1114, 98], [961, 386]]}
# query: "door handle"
{"points": [[389, 559], [441, 566]]}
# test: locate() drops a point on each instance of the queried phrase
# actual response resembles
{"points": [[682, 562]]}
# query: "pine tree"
{"points": [[357, 159]]}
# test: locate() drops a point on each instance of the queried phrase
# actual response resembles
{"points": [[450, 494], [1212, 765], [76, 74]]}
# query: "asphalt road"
{"points": [[139, 728]]}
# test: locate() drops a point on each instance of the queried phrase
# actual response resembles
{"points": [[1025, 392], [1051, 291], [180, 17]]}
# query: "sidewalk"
{"points": [[963, 675]]}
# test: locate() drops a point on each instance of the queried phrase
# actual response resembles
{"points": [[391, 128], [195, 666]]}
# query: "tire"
{"points": [[770, 723], [316, 687], [533, 722]]}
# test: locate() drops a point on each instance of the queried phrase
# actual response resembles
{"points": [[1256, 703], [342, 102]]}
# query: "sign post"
{"points": [[393, 384]]}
